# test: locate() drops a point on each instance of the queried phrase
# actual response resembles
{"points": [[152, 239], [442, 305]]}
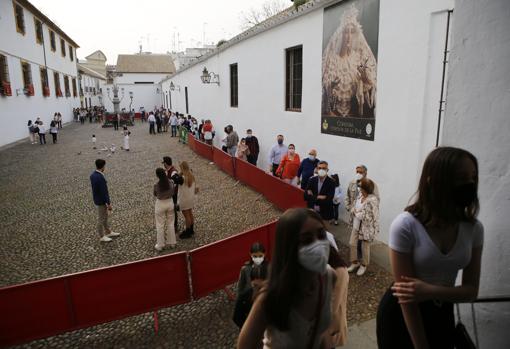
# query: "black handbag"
{"points": [[462, 338]]}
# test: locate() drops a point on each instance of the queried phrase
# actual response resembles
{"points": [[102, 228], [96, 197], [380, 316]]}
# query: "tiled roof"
{"points": [[145, 63]]}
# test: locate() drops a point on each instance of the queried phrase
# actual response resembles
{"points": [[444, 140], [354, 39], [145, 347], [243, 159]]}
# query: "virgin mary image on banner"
{"points": [[349, 69]]}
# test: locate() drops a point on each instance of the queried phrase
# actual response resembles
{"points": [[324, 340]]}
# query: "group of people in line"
{"points": [[174, 191], [298, 299], [94, 114], [37, 129]]}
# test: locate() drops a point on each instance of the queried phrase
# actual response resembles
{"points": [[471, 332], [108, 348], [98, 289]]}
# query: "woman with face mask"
{"points": [[434, 238], [294, 310], [242, 151], [289, 166], [364, 220]]}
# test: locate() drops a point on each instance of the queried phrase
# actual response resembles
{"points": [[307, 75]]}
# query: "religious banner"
{"points": [[349, 69]]}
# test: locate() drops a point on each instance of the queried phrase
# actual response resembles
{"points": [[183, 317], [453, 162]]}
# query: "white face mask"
{"points": [[322, 173], [358, 176], [311, 157], [314, 257], [257, 260]]}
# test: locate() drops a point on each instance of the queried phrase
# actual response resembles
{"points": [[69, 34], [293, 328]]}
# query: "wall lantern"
{"points": [[174, 87], [209, 78]]}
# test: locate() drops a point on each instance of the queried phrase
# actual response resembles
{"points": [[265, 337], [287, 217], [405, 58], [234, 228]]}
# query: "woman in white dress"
{"points": [[186, 199]]}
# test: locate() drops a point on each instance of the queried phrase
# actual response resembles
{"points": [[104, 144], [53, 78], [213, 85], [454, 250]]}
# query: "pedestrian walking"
{"points": [[94, 139], [164, 211], [31, 134], [152, 122], [54, 131], [126, 141], [42, 133], [102, 201], [115, 121]]}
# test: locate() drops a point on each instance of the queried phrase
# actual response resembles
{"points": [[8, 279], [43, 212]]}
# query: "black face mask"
{"points": [[464, 194]]}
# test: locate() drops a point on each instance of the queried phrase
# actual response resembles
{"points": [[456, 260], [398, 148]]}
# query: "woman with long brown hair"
{"points": [[434, 238], [186, 199], [295, 309]]}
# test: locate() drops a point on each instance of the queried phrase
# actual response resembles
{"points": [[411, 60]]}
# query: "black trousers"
{"points": [[252, 159], [54, 136], [115, 125], [151, 128], [275, 167], [335, 211], [392, 332]]}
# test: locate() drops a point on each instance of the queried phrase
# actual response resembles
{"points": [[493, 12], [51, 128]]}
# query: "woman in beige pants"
{"points": [[164, 211]]}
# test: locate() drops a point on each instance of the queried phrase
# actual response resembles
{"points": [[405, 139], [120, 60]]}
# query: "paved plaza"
{"points": [[48, 229]]}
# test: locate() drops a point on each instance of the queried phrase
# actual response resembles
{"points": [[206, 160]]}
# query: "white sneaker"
{"points": [[362, 269], [159, 249], [353, 267], [112, 234], [105, 239]]}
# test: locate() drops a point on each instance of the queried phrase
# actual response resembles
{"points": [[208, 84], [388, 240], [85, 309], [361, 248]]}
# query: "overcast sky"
{"points": [[120, 26]]}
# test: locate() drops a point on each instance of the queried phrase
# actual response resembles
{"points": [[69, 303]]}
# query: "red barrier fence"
{"points": [[224, 161], [49, 307], [203, 149], [282, 194], [217, 265], [191, 142]]}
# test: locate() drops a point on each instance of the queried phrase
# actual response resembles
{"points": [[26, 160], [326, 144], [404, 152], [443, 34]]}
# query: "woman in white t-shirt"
{"points": [[434, 238]]}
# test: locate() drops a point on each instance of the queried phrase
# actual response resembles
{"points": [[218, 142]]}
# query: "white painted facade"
{"points": [[145, 87], [411, 39], [478, 103], [17, 109], [91, 93]]}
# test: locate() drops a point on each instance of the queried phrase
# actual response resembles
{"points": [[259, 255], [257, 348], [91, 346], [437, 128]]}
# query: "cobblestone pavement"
{"points": [[48, 229]]}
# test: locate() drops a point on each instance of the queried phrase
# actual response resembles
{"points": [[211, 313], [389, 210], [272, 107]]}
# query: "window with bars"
{"points": [[26, 72], [44, 81], [71, 54], [75, 90], [63, 47], [38, 31], [4, 69], [20, 18], [66, 86], [234, 97], [293, 78], [56, 78], [53, 43], [5, 85]]}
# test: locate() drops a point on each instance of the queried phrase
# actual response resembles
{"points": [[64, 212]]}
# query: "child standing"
{"points": [[126, 140], [93, 141]]}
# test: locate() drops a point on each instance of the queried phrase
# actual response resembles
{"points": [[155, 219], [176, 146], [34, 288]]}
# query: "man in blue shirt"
{"points": [[276, 154], [102, 201], [307, 168]]}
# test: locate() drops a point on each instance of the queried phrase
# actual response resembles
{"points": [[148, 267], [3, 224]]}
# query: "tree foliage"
{"points": [[256, 16]]}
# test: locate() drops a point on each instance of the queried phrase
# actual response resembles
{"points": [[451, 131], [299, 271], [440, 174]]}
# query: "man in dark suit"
{"points": [[102, 201], [320, 192]]}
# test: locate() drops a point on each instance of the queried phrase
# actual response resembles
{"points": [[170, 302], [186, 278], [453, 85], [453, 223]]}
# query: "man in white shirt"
{"points": [[152, 122], [276, 154]]}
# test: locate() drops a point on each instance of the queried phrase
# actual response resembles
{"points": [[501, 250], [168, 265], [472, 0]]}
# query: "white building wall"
{"points": [[478, 103], [16, 110], [408, 34], [146, 95]]}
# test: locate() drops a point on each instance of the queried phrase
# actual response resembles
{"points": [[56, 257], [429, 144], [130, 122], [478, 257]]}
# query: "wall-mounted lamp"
{"points": [[209, 77], [174, 87]]}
